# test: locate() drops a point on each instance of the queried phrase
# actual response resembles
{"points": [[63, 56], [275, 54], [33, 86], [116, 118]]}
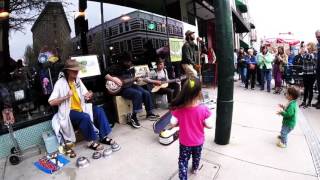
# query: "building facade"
{"points": [[130, 32], [52, 29]]}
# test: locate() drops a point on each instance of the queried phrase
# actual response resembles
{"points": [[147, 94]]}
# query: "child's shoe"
{"points": [[195, 171], [280, 144]]}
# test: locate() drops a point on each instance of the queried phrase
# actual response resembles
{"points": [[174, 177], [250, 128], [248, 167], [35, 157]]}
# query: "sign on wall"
{"points": [[175, 49], [89, 65]]}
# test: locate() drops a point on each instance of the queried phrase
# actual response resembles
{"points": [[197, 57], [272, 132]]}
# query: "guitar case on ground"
{"points": [[166, 136]]}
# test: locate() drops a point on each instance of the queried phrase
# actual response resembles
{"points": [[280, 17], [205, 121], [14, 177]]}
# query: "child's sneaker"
{"points": [[280, 144], [195, 171]]}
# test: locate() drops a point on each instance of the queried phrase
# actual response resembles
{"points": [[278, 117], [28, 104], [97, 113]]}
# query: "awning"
{"points": [[244, 44], [240, 25], [242, 7], [157, 7]]}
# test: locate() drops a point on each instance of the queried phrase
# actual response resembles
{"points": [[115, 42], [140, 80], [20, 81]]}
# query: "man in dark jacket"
{"points": [[189, 55], [317, 105]]}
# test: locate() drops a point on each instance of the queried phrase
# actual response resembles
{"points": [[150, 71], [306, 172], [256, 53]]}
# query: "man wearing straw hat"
{"points": [[71, 97]]}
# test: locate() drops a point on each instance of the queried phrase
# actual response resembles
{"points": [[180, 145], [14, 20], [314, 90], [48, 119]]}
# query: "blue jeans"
{"points": [[184, 156], [83, 121], [138, 95], [266, 75], [244, 72], [285, 130]]}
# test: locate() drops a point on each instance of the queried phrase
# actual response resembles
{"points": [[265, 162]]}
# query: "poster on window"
{"points": [[89, 65], [175, 49]]}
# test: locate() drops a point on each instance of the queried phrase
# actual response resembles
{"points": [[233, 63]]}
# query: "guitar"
{"points": [[113, 88], [165, 84]]}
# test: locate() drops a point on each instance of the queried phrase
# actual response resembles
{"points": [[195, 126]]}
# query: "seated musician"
{"points": [[138, 95], [71, 97], [160, 78]]}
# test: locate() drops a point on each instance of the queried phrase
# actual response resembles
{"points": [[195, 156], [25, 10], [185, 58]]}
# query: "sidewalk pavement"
{"points": [[252, 153]]}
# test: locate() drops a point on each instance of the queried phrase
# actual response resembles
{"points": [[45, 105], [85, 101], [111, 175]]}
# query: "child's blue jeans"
{"points": [[285, 130], [184, 156]]}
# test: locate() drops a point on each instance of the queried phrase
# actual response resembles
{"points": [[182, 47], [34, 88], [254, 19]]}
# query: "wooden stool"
{"points": [[123, 108]]}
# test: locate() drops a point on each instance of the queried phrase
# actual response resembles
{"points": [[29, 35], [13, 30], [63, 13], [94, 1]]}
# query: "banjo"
{"points": [[113, 88]]}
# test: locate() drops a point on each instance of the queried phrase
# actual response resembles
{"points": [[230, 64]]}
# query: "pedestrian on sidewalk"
{"points": [[289, 114], [242, 66], [265, 64], [252, 69], [309, 74], [317, 105], [192, 118], [280, 60]]}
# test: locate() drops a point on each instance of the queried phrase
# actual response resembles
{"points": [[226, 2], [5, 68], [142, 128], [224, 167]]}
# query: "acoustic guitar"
{"points": [[165, 84], [113, 88]]}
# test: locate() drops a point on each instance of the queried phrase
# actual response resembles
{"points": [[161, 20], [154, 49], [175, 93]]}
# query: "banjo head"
{"points": [[112, 87]]}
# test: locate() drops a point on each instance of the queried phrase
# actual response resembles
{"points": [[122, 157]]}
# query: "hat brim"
{"points": [[73, 69], [189, 33]]}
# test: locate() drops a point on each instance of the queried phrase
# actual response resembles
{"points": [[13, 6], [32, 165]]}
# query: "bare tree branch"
{"points": [[25, 12]]}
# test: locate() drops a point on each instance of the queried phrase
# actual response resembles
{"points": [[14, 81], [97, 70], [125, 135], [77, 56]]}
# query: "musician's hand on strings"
{"points": [[157, 82], [117, 81]]}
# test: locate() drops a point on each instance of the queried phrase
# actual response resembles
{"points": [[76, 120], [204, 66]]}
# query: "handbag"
{"points": [[252, 66]]}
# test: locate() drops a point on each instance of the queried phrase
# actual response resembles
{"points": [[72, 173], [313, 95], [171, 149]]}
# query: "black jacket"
{"points": [[189, 53]]}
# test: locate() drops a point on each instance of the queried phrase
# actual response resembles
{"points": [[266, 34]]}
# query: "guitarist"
{"points": [[160, 75], [138, 95]]}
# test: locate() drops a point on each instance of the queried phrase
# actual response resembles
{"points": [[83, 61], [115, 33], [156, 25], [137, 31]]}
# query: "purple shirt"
{"points": [[191, 122]]}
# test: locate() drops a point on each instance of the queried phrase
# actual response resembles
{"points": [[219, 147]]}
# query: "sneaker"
{"points": [[153, 117], [279, 137], [281, 145], [195, 171], [134, 122]]}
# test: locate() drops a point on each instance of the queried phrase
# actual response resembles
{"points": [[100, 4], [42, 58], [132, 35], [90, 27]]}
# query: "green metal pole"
{"points": [[224, 41]]}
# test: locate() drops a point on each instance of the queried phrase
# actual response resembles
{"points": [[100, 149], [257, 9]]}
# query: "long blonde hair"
{"points": [[312, 48]]}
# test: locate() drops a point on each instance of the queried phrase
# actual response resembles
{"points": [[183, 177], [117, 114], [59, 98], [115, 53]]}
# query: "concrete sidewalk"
{"points": [[251, 154]]}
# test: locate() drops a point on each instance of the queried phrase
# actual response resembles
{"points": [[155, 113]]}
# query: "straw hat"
{"points": [[72, 64]]}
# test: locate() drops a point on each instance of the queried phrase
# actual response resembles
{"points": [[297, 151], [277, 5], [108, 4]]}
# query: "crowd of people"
{"points": [[284, 67]]}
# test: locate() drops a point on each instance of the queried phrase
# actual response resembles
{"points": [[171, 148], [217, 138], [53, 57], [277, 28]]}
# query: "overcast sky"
{"points": [[271, 17]]}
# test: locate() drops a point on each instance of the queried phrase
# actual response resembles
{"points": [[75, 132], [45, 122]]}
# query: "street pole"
{"points": [[103, 37], [224, 39], [5, 51], [83, 36], [83, 26]]}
